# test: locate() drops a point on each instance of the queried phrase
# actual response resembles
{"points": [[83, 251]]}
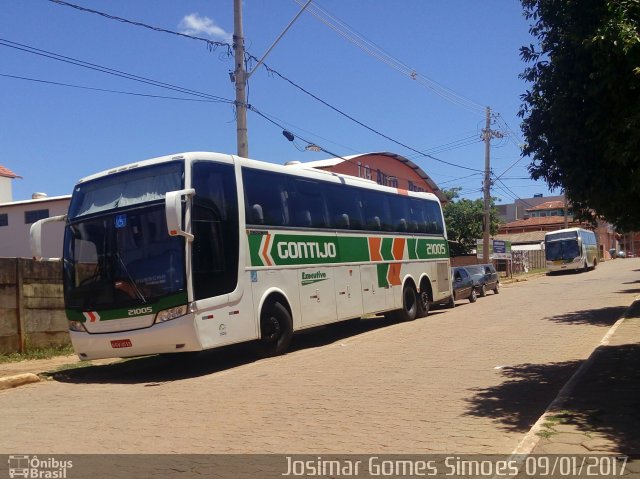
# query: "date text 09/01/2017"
{"points": [[459, 465]]}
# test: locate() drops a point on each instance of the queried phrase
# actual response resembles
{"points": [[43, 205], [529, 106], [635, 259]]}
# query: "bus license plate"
{"points": [[121, 343]]}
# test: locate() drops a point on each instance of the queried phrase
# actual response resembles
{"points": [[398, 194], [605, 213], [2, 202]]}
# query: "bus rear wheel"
{"points": [[276, 330], [409, 310], [424, 301]]}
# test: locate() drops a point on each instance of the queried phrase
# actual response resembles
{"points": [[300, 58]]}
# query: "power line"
{"points": [[373, 130], [370, 48], [107, 70], [291, 126], [49, 82], [210, 43], [455, 146], [458, 179], [510, 167], [291, 138], [274, 72], [514, 194]]}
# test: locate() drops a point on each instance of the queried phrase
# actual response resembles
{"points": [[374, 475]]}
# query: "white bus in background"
{"points": [[201, 250], [571, 249]]}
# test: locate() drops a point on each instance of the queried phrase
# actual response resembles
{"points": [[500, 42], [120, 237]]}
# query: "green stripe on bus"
{"points": [[254, 248], [353, 249], [386, 250], [283, 249], [171, 301], [411, 248], [383, 272]]}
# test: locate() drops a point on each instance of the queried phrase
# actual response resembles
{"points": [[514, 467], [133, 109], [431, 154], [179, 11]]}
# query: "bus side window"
{"points": [[399, 213], [375, 207], [344, 203], [309, 204], [271, 192]]}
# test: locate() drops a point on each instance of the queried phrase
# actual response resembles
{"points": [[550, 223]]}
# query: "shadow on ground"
{"points": [[597, 317], [173, 367], [607, 400], [630, 291], [522, 398]]}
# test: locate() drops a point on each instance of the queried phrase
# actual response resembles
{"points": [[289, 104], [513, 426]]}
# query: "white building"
{"points": [[6, 177], [16, 218]]}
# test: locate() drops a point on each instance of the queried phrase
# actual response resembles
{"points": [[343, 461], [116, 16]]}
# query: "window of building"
{"points": [[4, 219], [35, 215]]}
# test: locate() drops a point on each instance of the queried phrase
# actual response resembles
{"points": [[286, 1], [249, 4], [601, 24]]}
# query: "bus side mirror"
{"points": [[35, 235], [173, 211]]}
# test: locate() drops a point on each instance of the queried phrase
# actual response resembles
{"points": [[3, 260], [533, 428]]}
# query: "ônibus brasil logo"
{"points": [[34, 467]]}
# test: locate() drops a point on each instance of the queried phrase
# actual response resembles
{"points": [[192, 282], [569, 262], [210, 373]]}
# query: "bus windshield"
{"points": [[566, 250], [130, 187], [122, 259]]}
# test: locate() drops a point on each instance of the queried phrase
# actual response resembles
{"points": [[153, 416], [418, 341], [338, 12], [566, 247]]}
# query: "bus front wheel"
{"points": [[276, 329]]}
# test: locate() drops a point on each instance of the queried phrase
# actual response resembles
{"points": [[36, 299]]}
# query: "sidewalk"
{"points": [[600, 412], [24, 372]]}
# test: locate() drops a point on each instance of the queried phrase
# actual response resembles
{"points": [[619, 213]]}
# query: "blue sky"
{"points": [[467, 50]]}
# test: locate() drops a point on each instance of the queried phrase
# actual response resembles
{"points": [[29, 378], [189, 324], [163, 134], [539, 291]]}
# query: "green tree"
{"points": [[581, 113], [465, 219]]}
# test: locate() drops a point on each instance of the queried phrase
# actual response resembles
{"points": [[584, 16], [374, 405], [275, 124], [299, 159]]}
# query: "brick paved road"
{"points": [[472, 379]]}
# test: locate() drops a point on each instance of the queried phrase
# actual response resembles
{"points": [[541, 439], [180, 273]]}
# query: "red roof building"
{"points": [[6, 177], [7, 173], [389, 169]]}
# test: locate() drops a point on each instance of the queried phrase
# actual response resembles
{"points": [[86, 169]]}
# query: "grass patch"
{"points": [[37, 353], [546, 433], [553, 420]]}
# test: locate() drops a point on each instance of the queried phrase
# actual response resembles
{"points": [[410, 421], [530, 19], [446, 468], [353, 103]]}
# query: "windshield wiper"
{"points": [[135, 286]]}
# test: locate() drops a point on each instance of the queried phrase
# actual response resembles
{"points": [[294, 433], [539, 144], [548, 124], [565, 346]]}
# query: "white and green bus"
{"points": [[570, 249], [201, 250]]}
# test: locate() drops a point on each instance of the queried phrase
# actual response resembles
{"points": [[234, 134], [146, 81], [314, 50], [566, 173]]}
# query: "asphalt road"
{"points": [[468, 380]]}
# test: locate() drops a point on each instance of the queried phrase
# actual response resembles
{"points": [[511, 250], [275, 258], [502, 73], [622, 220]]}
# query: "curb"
{"points": [[18, 380], [531, 439]]}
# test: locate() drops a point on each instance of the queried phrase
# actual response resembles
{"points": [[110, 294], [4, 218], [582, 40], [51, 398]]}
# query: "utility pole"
{"points": [[487, 134], [240, 78], [240, 75]]}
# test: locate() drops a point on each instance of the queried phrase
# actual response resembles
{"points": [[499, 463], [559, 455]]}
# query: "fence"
{"points": [[31, 305], [527, 260]]}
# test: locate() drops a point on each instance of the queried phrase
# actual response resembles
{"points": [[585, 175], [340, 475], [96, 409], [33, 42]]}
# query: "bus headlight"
{"points": [[77, 326], [171, 313]]}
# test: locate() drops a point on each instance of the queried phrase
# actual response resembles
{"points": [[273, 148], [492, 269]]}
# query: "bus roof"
{"points": [[300, 169]]}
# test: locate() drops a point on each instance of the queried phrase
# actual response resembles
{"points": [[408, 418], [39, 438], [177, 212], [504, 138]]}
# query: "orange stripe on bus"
{"points": [[394, 274], [398, 248], [265, 250], [374, 249], [403, 192]]}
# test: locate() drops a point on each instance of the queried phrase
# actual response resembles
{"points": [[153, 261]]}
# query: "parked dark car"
{"points": [[486, 278], [463, 286]]}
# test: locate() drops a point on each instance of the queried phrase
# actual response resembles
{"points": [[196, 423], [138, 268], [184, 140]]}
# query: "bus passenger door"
{"points": [[317, 296], [348, 292]]}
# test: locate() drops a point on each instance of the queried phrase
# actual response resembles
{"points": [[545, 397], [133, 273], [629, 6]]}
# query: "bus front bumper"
{"points": [[177, 335]]}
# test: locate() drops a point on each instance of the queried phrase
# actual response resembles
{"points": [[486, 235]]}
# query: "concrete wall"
{"points": [[465, 260], [31, 305]]}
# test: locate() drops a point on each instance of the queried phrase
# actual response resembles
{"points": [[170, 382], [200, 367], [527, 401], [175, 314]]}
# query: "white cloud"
{"points": [[194, 24]]}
